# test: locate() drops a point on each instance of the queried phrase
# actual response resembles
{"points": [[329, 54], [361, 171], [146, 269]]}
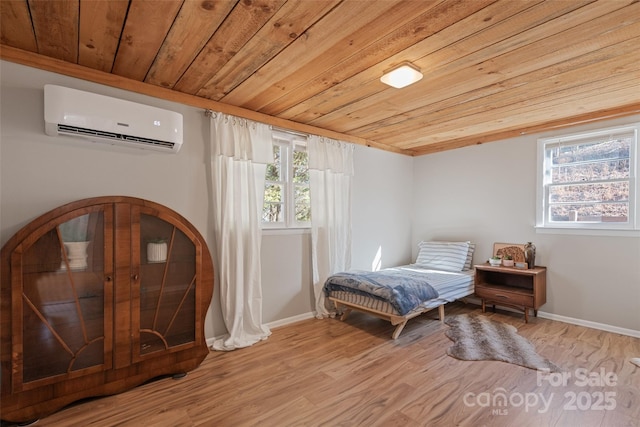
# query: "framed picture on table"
{"points": [[515, 250]]}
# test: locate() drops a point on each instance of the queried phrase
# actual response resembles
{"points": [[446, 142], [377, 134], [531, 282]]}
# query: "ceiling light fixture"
{"points": [[401, 76]]}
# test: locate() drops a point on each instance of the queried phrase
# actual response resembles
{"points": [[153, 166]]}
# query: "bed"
{"points": [[442, 273]]}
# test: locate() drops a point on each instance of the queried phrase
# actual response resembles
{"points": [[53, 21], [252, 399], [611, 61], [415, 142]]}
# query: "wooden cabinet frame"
{"points": [[36, 271]]}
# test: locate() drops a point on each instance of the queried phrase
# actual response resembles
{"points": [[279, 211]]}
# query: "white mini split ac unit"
{"points": [[100, 118]]}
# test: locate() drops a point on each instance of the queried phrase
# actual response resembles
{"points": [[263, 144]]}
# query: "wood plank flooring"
{"points": [[333, 373]]}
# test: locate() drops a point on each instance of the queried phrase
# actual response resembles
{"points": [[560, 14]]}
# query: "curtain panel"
{"points": [[240, 150], [330, 176]]}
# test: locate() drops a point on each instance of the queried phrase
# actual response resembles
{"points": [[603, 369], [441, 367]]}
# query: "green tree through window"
{"points": [[287, 202]]}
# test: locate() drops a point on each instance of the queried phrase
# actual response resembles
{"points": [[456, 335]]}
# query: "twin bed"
{"points": [[442, 273]]}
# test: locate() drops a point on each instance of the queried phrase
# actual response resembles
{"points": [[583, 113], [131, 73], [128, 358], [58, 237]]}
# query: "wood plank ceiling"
{"points": [[492, 69]]}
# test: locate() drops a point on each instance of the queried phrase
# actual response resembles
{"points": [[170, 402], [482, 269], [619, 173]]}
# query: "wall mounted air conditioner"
{"points": [[100, 118]]}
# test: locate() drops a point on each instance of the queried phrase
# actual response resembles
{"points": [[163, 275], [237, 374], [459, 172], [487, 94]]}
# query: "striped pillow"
{"points": [[447, 256], [467, 262]]}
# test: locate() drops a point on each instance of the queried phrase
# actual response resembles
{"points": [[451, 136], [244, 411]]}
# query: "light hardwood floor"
{"points": [[333, 373]]}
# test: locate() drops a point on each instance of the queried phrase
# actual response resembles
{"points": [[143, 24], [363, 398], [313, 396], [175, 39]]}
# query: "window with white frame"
{"points": [[286, 194], [589, 180]]}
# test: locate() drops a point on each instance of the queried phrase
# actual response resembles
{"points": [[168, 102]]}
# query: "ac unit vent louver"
{"points": [[77, 131], [100, 118]]}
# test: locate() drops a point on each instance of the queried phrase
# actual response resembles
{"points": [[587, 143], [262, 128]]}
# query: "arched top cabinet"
{"points": [[98, 296]]}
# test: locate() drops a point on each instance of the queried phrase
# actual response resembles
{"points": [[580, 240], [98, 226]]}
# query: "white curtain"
{"points": [[240, 150], [330, 172]]}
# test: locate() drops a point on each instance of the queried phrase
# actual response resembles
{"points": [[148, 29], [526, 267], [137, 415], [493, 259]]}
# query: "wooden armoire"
{"points": [[98, 296]]}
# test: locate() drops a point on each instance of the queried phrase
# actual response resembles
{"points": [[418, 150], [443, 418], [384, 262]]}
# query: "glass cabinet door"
{"points": [[166, 287], [66, 300]]}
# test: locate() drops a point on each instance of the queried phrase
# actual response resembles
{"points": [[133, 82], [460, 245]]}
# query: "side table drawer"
{"points": [[498, 295]]}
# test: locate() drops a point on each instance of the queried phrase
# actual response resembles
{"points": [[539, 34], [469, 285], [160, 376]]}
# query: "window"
{"points": [[286, 194], [588, 180]]}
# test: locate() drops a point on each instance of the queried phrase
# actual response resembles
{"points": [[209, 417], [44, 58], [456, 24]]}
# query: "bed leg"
{"points": [[441, 313], [399, 329], [345, 314]]}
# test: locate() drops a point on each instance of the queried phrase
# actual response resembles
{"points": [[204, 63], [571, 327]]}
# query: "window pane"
{"points": [[591, 171], [286, 199], [303, 204], [300, 167], [596, 192], [272, 210], [607, 149], [274, 169], [602, 212], [273, 193], [591, 160]]}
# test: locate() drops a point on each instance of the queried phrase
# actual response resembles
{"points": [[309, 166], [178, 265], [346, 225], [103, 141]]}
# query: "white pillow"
{"points": [[447, 256]]}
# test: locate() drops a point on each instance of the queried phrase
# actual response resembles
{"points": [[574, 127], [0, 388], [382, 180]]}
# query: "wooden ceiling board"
{"points": [[514, 124], [329, 38], [196, 22], [529, 85], [367, 83], [287, 25], [599, 64], [516, 116], [467, 74], [561, 103], [15, 25], [492, 68], [101, 24], [461, 64], [141, 42], [546, 125], [244, 21], [373, 56], [55, 23], [517, 122], [365, 49]]}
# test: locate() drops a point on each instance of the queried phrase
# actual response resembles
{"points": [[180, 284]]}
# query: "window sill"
{"points": [[285, 231], [587, 231]]}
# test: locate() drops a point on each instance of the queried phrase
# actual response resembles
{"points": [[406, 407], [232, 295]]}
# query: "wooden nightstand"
{"points": [[512, 287]]}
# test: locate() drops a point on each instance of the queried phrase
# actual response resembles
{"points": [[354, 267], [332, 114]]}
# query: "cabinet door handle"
{"points": [[108, 278], [135, 277]]}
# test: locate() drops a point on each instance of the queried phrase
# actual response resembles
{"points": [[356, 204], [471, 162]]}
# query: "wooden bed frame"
{"points": [[398, 321]]}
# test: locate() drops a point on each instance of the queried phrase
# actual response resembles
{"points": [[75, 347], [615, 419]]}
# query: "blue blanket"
{"points": [[404, 290]]}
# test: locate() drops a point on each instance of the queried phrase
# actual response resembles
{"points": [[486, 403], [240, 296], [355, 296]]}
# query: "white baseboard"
{"points": [[590, 324], [275, 324], [542, 314], [289, 320], [573, 321]]}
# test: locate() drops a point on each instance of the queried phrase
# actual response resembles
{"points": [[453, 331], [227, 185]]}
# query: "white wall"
{"points": [[286, 275], [381, 209], [39, 173], [487, 193]]}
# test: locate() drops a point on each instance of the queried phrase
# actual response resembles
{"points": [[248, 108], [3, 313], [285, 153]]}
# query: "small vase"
{"points": [[157, 252], [76, 255], [530, 254]]}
